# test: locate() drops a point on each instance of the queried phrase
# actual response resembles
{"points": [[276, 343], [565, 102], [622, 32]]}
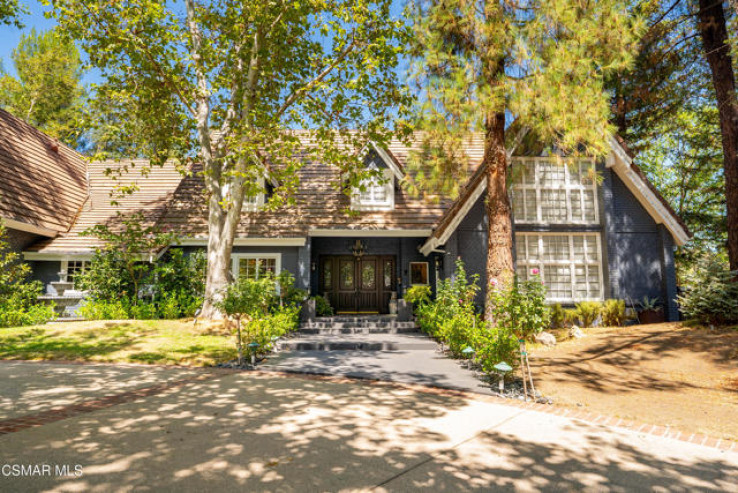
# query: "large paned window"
{"points": [[550, 191], [256, 266], [375, 194], [570, 264]]}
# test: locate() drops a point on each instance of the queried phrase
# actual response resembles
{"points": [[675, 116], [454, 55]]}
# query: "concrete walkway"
{"points": [[416, 360], [251, 432]]}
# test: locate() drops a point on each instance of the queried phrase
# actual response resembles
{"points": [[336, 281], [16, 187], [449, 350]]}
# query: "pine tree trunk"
{"points": [[717, 51], [499, 233]]}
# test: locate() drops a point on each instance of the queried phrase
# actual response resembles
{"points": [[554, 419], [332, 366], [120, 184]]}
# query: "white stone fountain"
{"points": [[66, 297]]}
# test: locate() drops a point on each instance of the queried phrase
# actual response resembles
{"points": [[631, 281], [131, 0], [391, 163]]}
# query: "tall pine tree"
{"points": [[712, 25], [47, 91], [480, 64]]}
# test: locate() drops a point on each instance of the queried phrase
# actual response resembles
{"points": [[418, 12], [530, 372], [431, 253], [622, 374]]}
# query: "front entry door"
{"points": [[358, 285]]}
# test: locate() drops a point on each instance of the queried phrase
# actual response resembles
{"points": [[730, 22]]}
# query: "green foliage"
{"points": [[710, 292], [587, 312], [288, 293], [613, 313], [119, 267], [454, 299], [176, 273], [418, 295], [323, 307], [571, 316], [279, 322], [452, 319], [105, 310], [47, 91], [249, 298], [647, 304], [541, 63], [520, 306], [494, 345], [10, 11], [18, 295], [558, 316]]}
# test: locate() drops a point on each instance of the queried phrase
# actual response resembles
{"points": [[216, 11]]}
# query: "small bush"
{"points": [[494, 345], [323, 307], [558, 316], [418, 295], [105, 310], [587, 312], [571, 317], [613, 313], [520, 307], [710, 293]]}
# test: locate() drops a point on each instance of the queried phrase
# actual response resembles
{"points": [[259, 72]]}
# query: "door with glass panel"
{"points": [[357, 285]]}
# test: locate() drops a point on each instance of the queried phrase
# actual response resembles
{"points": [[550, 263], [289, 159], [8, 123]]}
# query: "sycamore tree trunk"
{"points": [[499, 233], [714, 34]]}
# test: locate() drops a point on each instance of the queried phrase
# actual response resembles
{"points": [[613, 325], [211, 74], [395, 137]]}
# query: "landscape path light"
{"points": [[253, 346], [468, 354], [502, 368]]}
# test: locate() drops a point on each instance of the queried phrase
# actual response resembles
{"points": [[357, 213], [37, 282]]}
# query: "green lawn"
{"points": [[124, 341]]}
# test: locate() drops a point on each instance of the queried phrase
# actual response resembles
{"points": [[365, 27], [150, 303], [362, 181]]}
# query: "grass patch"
{"points": [[174, 342]]}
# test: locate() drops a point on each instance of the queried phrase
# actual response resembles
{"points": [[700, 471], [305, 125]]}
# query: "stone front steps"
{"points": [[358, 342], [357, 333]]}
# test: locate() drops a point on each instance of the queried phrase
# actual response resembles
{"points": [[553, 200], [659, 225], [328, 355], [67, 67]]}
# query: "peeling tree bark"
{"points": [[714, 34]]}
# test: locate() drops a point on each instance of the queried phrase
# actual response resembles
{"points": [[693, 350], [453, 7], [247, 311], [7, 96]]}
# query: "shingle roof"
{"points": [[154, 193], [43, 181]]}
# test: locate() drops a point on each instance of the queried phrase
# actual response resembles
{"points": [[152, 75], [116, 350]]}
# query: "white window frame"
{"points": [[522, 261], [567, 186], [251, 204], [427, 274], [65, 265], [388, 182], [237, 257]]}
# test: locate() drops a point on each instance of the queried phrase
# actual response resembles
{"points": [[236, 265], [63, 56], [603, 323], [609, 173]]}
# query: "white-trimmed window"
{"points": [[375, 194], [73, 268], [570, 264], [256, 265], [254, 202], [551, 191]]}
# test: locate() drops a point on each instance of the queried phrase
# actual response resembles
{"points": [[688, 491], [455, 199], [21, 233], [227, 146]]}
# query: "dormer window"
{"points": [[375, 194], [256, 201]]}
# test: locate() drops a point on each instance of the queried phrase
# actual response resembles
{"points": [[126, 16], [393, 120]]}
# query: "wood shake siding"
{"points": [[43, 181]]}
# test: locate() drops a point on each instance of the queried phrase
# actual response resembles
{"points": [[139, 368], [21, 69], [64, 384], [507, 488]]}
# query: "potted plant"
{"points": [[651, 312]]}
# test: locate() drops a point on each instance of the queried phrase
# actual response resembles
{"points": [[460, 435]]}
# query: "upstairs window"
{"points": [[375, 194], [256, 201], [547, 191]]}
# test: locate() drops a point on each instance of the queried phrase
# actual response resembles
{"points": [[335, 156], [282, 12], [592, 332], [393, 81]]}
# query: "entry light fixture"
{"points": [[358, 249]]}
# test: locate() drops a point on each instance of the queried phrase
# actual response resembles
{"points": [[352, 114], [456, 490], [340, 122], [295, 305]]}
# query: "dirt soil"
{"points": [[662, 374]]}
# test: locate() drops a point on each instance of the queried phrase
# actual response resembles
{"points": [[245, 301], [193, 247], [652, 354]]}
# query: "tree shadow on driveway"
{"points": [[260, 433]]}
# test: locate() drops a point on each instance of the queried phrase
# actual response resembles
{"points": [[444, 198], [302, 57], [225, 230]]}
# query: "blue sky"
{"points": [[10, 35]]}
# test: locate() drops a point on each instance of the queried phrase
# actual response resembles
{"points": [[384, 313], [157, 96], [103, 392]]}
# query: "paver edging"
{"points": [[13, 425]]}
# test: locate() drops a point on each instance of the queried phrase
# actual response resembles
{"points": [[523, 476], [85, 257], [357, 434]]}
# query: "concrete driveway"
{"points": [[257, 432]]}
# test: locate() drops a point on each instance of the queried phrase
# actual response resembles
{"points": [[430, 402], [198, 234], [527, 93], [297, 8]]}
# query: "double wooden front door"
{"points": [[358, 284]]}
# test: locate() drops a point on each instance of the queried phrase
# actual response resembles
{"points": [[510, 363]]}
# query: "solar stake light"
{"points": [[253, 346], [502, 368]]}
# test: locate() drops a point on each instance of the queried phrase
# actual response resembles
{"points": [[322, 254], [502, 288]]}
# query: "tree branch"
{"points": [[327, 70]]}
